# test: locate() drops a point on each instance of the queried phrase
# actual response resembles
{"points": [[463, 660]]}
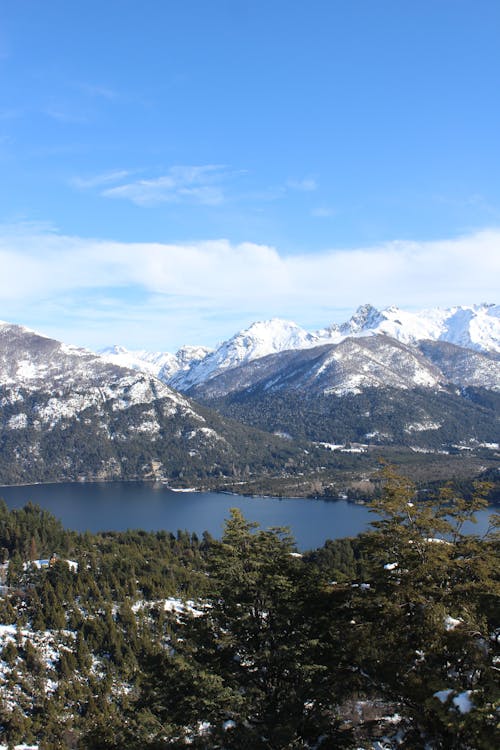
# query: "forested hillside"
{"points": [[155, 640], [418, 419]]}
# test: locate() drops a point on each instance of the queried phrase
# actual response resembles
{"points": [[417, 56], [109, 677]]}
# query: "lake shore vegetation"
{"points": [[157, 639]]}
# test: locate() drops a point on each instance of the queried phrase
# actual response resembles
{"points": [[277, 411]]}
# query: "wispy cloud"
{"points": [[66, 115], [474, 200], [170, 294], [98, 180], [206, 184], [197, 184]]}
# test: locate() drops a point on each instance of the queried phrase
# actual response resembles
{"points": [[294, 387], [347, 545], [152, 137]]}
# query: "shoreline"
{"points": [[192, 490], [179, 490]]}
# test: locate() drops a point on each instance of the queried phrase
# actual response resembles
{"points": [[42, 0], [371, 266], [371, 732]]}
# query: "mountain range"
{"points": [[475, 328], [67, 413], [273, 400]]}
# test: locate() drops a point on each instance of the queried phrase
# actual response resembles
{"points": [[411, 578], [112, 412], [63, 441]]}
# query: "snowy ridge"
{"points": [[377, 362], [162, 365], [66, 413], [475, 327], [259, 340], [75, 378], [356, 363], [140, 359], [471, 326]]}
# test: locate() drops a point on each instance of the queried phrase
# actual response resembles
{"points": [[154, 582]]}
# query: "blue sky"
{"points": [[174, 169]]}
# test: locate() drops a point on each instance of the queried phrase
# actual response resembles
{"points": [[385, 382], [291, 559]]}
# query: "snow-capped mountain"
{"points": [[68, 413], [162, 365], [259, 340], [474, 327], [355, 364], [369, 389], [399, 387], [140, 359]]}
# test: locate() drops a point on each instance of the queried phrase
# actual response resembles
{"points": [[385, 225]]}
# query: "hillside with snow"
{"points": [[162, 365], [67, 413], [473, 327], [429, 381]]}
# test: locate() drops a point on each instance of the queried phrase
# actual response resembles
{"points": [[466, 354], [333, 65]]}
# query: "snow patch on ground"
{"points": [[450, 623], [423, 426], [205, 432], [18, 422], [461, 701], [147, 426], [175, 605]]}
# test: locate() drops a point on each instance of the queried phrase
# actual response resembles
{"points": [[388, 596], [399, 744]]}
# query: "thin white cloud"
{"points": [[205, 184], [211, 288], [474, 200], [196, 184], [66, 115], [100, 179]]}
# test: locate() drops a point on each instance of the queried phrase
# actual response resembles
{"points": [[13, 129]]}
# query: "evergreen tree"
{"points": [[423, 622], [249, 660]]}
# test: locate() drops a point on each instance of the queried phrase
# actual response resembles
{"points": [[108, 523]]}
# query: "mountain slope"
{"points": [[348, 367], [475, 327], [472, 326], [66, 413], [464, 367], [162, 365], [373, 389], [356, 364], [259, 340]]}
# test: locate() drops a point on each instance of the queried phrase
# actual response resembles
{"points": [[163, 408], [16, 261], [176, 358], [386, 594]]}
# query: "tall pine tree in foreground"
{"points": [[248, 669], [425, 631]]}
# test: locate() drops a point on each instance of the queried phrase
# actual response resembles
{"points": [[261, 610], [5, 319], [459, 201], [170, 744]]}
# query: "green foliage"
{"points": [[276, 650], [251, 657], [430, 608], [385, 413], [103, 443], [31, 529]]}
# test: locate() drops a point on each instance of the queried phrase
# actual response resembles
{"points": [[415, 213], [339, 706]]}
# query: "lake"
{"points": [[117, 506]]}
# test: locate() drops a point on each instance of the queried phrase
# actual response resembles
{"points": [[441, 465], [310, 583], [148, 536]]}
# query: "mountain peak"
{"points": [[113, 349], [475, 327], [366, 316]]}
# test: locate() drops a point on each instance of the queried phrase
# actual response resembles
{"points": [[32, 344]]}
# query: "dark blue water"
{"points": [[119, 506]]}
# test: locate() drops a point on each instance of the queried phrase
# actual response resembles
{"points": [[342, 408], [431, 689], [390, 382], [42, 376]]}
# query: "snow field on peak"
{"points": [[162, 365], [140, 359], [475, 327]]}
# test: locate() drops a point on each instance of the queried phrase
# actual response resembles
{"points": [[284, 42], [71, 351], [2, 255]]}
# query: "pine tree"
{"points": [[423, 623], [251, 658]]}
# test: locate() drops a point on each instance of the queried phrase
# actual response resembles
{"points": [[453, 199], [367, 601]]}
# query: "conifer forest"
{"points": [[159, 640]]}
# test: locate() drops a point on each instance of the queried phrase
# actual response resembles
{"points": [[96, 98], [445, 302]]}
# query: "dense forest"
{"points": [[156, 640], [376, 415]]}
